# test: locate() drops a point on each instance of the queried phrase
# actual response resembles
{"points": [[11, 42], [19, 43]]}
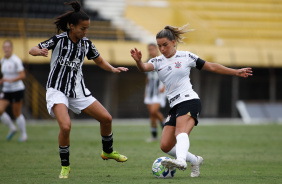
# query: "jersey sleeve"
{"points": [[49, 44], [154, 62], [193, 60], [92, 52]]}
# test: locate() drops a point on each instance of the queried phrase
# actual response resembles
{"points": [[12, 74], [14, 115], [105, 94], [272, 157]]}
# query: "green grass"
{"points": [[232, 153]]}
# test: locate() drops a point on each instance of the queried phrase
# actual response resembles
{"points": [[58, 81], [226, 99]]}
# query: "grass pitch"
{"points": [[232, 153]]}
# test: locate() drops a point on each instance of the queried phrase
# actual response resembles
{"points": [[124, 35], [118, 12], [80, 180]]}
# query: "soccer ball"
{"points": [[159, 171]]}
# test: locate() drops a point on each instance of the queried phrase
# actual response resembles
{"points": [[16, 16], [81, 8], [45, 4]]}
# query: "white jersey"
{"points": [[174, 72], [10, 68]]}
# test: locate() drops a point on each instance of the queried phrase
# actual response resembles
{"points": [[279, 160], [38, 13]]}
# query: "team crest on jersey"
{"points": [[82, 48], [178, 64]]}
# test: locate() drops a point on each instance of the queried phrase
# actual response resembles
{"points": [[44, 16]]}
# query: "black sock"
{"points": [[154, 132], [64, 154], [107, 142]]}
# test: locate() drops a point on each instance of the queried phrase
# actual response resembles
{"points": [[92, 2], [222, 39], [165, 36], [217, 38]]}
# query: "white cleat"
{"points": [[196, 167], [23, 138], [174, 163]]}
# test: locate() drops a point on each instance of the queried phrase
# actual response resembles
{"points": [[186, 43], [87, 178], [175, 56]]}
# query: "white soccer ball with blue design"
{"points": [[159, 171]]}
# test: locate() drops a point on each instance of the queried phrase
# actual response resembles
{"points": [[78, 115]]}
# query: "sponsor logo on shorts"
{"points": [[168, 118]]}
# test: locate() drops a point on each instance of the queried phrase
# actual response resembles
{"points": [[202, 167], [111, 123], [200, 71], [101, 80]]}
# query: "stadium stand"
{"points": [[230, 32], [234, 33]]}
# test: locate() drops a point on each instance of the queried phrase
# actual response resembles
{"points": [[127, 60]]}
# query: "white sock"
{"points": [[189, 156], [182, 146], [21, 123], [6, 119]]}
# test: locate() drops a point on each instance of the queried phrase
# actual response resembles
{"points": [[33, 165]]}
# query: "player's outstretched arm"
{"points": [[36, 51], [137, 56], [220, 69], [106, 66]]}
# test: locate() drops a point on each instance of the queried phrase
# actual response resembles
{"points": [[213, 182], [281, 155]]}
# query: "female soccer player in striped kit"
{"points": [[154, 95], [13, 91], [65, 85], [173, 68]]}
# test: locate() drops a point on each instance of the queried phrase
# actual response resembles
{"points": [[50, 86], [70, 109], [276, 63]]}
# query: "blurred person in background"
{"points": [[154, 96], [173, 68], [13, 91], [65, 85]]}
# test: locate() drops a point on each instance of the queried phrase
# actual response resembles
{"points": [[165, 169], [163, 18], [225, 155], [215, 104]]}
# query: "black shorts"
{"points": [[13, 96], [189, 107]]}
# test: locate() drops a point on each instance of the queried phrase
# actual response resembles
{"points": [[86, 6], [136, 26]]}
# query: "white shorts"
{"points": [[161, 99], [54, 96]]}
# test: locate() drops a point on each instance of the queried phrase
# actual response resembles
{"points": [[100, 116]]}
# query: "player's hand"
{"points": [[244, 72], [119, 69], [5, 80], [162, 89], [43, 52], [136, 54]]}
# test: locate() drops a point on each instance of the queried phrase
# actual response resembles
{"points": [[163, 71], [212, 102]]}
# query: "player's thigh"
{"points": [[155, 108], [184, 124], [149, 107], [98, 112], [3, 105], [168, 139], [61, 113], [17, 108]]}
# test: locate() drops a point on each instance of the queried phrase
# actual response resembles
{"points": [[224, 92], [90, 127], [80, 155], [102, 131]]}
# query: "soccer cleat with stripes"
{"points": [[11, 134], [114, 155], [174, 163], [196, 167], [65, 172]]}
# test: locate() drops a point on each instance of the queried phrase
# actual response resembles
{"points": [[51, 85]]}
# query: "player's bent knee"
{"points": [[107, 119], [165, 148]]}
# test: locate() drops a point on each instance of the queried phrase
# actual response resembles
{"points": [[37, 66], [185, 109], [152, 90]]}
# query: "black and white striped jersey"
{"points": [[153, 85], [66, 64]]}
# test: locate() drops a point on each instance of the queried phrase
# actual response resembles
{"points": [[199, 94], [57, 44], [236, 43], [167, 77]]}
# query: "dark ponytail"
{"points": [[72, 17]]}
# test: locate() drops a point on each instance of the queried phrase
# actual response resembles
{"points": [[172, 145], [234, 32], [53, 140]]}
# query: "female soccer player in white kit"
{"points": [[173, 68], [154, 96], [65, 85], [13, 91]]}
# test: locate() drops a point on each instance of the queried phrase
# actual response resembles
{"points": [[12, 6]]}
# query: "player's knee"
{"points": [[165, 148], [66, 129], [108, 119], [154, 113]]}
